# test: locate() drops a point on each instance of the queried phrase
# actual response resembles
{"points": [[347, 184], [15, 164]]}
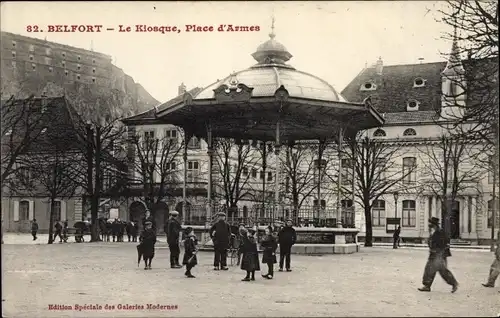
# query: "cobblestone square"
{"points": [[375, 282]]}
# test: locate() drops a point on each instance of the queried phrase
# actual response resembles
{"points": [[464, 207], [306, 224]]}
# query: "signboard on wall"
{"points": [[114, 213]]}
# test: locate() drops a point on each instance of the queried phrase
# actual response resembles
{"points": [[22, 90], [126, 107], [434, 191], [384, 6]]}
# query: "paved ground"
{"points": [[375, 282]]}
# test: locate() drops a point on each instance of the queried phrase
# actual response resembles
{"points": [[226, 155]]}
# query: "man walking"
{"points": [[173, 232], [58, 231], [34, 229], [220, 234], [287, 238], [495, 267], [439, 251]]}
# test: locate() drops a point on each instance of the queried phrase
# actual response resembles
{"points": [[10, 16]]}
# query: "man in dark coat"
{"points": [[396, 237], [58, 232], [287, 238], [173, 233], [439, 250], [34, 229], [147, 245], [220, 233]]}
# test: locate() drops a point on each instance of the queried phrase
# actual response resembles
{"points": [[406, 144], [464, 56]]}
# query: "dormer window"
{"points": [[419, 82], [379, 133], [368, 86], [410, 132], [412, 105]]}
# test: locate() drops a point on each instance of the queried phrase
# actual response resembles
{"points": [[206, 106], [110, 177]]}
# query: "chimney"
{"points": [[379, 66], [182, 89]]}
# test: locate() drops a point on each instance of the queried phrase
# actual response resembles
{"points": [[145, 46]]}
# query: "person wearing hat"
{"points": [[220, 233], [174, 229], [269, 255], [286, 238], [147, 245], [439, 250], [495, 267], [250, 259]]}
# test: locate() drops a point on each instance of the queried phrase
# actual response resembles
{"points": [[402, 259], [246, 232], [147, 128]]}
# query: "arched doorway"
{"points": [[160, 212], [137, 212], [188, 217]]}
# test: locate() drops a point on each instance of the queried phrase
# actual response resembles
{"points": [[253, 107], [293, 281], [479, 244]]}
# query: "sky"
{"points": [[332, 40]]}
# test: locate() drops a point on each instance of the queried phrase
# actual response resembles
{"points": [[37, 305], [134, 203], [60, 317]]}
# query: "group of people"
{"points": [[116, 229]]}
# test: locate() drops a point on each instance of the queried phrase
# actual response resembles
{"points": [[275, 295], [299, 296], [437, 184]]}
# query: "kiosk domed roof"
{"points": [[271, 72]]}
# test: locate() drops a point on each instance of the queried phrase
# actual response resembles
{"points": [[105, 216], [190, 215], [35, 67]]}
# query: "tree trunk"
{"points": [[51, 222], [295, 215], [368, 229], [94, 208]]}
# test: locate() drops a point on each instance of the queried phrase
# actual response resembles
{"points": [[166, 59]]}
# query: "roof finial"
{"points": [[272, 35]]}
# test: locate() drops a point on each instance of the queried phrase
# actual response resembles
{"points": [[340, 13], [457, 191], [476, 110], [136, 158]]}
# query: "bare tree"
{"points": [[156, 165], [451, 165], [21, 126], [234, 161], [48, 167], [376, 171], [299, 172]]}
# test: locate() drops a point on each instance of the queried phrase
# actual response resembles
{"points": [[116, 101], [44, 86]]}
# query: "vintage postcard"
{"points": [[250, 159]]}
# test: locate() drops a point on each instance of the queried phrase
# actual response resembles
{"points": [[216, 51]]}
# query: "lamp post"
{"points": [[396, 196]]}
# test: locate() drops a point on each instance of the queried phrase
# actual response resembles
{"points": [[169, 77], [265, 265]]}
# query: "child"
{"points": [[190, 251], [147, 245], [250, 260], [269, 256]]}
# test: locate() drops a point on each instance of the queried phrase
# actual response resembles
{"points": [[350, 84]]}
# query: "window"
{"points": [[378, 213], [93, 79], [245, 211], [93, 70], [410, 132], [50, 69], [47, 51], [149, 137], [78, 67], [269, 176], [32, 48], [31, 57], [193, 171], [323, 204], [93, 61], [244, 171], [412, 105], [57, 211], [409, 218], [13, 43], [194, 143], [346, 171], [409, 167], [347, 213], [171, 166], [381, 166], [368, 86], [25, 175], [346, 204], [262, 175], [78, 57], [491, 208], [78, 76], [33, 66], [379, 133], [254, 173], [14, 54], [171, 133], [24, 210], [419, 82], [63, 63], [66, 73]]}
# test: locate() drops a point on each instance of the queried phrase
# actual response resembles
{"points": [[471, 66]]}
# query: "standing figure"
{"points": [[220, 233], [109, 229], [121, 230], [250, 260], [129, 229], [135, 232], [396, 237], [65, 231], [190, 250], [173, 233], [58, 228], [34, 229], [269, 255], [439, 250], [147, 245], [287, 238], [495, 267], [114, 229]]}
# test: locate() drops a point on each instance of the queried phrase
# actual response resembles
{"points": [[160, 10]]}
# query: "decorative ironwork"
{"points": [[231, 94]]}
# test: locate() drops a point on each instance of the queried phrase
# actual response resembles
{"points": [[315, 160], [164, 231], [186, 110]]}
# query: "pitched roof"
{"points": [[394, 86], [150, 114]]}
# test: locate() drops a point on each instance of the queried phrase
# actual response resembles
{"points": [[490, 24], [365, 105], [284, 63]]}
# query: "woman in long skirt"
{"points": [[250, 260]]}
